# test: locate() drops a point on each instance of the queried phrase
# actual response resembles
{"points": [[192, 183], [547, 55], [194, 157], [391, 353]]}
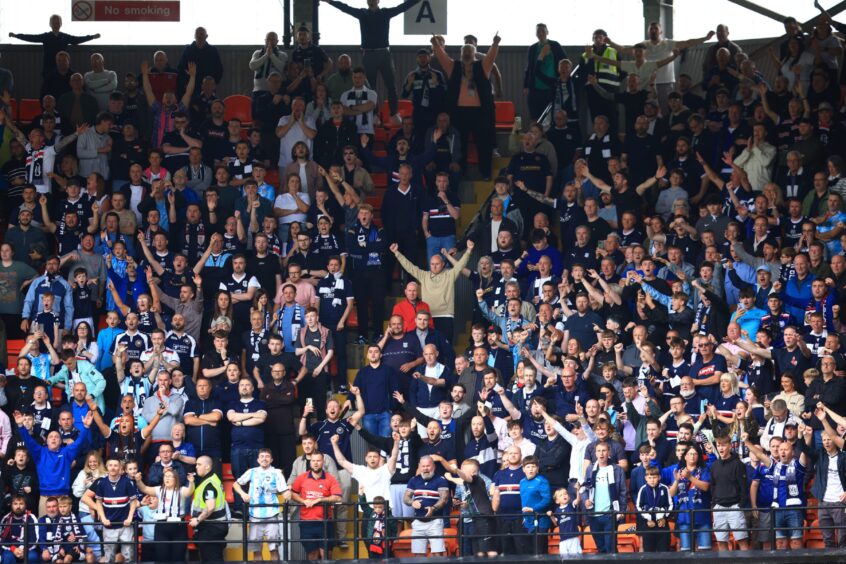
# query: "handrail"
{"points": [[461, 535]]}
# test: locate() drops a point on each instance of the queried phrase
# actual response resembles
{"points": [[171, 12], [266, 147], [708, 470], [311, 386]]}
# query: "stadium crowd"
{"points": [[187, 290]]}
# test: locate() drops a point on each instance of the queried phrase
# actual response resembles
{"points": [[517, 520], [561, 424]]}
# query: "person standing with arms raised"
{"points": [[54, 41], [375, 24]]}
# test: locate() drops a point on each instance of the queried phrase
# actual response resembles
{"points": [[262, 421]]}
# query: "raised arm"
{"points": [[192, 81], [440, 53], [145, 83], [490, 56]]}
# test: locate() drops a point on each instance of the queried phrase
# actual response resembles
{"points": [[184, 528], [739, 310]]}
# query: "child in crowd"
{"points": [[566, 518], [654, 504]]}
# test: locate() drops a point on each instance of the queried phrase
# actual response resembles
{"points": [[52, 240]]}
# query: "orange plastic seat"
{"points": [[401, 548], [226, 471], [588, 543], [240, 107], [554, 541], [505, 114], [29, 109], [404, 108]]}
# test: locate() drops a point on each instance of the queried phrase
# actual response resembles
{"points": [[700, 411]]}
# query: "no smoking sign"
{"points": [[82, 10]]}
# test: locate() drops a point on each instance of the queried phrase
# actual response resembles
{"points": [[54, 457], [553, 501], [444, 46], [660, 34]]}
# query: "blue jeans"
{"points": [[788, 523], [602, 528], [378, 423], [91, 534], [435, 244], [242, 460], [703, 538]]}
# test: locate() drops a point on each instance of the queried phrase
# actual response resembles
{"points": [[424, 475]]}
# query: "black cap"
{"points": [[424, 51], [804, 120]]}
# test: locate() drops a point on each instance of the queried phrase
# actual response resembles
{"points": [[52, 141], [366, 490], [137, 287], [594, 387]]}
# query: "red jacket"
{"points": [[408, 312]]}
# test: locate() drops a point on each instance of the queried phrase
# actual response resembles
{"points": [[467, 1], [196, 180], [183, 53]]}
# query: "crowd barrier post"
{"points": [[285, 537], [774, 511], [245, 517], [357, 531], [135, 526], [325, 530], [692, 528], [26, 542]]}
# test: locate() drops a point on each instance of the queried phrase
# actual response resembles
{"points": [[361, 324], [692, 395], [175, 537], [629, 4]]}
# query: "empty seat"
{"points": [[28, 110], [240, 107], [505, 114]]}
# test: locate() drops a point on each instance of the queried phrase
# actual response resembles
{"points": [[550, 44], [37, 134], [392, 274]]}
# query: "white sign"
{"points": [[426, 18]]}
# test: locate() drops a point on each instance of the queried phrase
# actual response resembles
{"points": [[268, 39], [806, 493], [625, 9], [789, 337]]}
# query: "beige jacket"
{"points": [[437, 290]]}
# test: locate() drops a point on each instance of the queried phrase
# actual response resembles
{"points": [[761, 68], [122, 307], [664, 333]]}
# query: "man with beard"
{"points": [[14, 535], [182, 342], [401, 351], [335, 303], [29, 243], [335, 134], [426, 88], [428, 494], [341, 80]]}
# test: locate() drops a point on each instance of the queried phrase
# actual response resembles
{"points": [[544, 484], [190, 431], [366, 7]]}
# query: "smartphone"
{"points": [[497, 388], [309, 402]]}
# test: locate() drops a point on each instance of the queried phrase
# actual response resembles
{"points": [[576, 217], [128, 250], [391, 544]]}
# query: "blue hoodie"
{"points": [[54, 467]]}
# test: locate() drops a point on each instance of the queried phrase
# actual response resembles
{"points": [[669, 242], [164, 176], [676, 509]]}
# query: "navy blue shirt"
{"points": [[205, 438], [426, 492], [324, 430], [247, 436]]}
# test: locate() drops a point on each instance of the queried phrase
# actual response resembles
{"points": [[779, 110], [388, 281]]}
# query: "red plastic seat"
{"points": [[380, 179], [240, 107], [29, 109], [13, 108], [505, 114]]}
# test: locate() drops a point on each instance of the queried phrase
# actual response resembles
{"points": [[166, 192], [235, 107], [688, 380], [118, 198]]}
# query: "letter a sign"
{"points": [[426, 18]]}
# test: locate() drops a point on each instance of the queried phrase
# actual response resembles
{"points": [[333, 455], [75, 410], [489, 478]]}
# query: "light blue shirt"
{"points": [[265, 486]]}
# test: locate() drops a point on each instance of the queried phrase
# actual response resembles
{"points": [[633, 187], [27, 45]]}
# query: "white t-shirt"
{"points": [[833, 489], [659, 51], [286, 202], [374, 481]]}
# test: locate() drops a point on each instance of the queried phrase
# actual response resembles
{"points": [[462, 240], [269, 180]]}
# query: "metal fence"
{"points": [[459, 537]]}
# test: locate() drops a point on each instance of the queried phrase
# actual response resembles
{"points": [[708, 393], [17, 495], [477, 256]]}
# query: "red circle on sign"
{"points": [[82, 10]]}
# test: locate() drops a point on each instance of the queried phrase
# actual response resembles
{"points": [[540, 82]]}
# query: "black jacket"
{"points": [[532, 53], [822, 461], [729, 485]]}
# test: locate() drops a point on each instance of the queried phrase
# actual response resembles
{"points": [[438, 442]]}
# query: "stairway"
{"points": [[473, 194]]}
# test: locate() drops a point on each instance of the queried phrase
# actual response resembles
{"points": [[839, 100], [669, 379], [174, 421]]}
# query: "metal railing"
{"points": [[538, 538]]}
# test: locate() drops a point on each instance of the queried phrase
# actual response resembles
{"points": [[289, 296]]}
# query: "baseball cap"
{"points": [[764, 268]]}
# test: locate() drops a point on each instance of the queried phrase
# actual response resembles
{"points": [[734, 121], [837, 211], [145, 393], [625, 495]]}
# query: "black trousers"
{"points": [[340, 340], [480, 123], [599, 106], [514, 538], [171, 551], [445, 325], [313, 387], [369, 289], [211, 541], [284, 449], [538, 101], [656, 540]]}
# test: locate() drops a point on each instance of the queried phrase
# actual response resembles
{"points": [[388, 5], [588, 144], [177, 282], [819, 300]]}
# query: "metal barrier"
{"points": [[538, 538]]}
